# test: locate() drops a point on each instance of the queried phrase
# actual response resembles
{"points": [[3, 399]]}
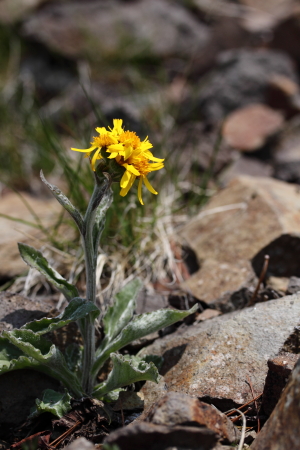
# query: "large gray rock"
{"points": [[213, 360], [281, 431], [117, 29], [241, 77]]}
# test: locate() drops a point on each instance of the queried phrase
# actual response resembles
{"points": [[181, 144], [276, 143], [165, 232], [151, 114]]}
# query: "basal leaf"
{"points": [[126, 370], [56, 403], [36, 260], [47, 354], [118, 315], [78, 308], [139, 327], [65, 202]]}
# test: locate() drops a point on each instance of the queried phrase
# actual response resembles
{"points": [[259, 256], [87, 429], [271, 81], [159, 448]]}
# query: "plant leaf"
{"points": [[56, 403], [139, 327], [118, 315], [73, 356], [36, 260], [126, 370], [65, 202], [47, 354], [78, 308]]}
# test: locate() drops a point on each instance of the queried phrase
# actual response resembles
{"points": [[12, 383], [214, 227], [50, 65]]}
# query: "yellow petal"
{"points": [[132, 169], [84, 150], [125, 179], [140, 190], [124, 191], [128, 152], [112, 155], [148, 186], [94, 159]]}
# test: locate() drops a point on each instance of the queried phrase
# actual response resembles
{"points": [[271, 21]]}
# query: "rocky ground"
{"points": [[218, 85]]}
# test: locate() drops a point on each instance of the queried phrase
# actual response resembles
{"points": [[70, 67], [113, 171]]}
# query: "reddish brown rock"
{"points": [[179, 409], [281, 431], [249, 128], [280, 369], [239, 225]]}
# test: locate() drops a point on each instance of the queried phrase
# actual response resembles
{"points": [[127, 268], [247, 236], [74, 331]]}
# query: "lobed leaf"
{"points": [[78, 308], [36, 260], [56, 403], [44, 352], [139, 327], [126, 370]]}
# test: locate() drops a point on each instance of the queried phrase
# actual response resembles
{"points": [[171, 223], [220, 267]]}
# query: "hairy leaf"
{"points": [[139, 327], [118, 315], [100, 218], [78, 308], [56, 403], [47, 354], [126, 370], [65, 202], [36, 260]]}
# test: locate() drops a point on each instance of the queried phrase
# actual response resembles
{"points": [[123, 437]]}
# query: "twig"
{"points": [[261, 278], [255, 403], [57, 441], [230, 412], [241, 444]]}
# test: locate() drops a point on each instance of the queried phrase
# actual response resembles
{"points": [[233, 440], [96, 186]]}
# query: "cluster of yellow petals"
{"points": [[128, 151]]}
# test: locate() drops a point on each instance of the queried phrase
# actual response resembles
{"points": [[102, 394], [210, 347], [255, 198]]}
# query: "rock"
{"points": [[76, 30], [213, 360], [12, 11], [207, 314], [81, 444], [249, 128], [287, 33], [280, 369], [287, 154], [129, 400], [147, 436], [17, 310], [179, 409], [294, 285], [281, 431], [250, 218], [13, 232], [279, 284], [240, 78], [245, 165], [283, 94]]}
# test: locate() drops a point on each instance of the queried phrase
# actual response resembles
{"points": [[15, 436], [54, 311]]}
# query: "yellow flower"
{"points": [[126, 148]]}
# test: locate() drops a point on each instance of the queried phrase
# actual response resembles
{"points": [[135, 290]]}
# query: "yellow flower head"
{"points": [[126, 148]]}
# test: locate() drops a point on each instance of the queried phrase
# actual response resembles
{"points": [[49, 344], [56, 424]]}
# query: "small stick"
{"points": [[255, 403], [261, 278], [64, 435], [238, 418], [243, 406], [122, 413]]}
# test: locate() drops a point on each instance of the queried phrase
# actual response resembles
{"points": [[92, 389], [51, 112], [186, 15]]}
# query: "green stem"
{"points": [[89, 329]]}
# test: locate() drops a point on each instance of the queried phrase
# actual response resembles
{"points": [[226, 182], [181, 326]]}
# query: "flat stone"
{"points": [[231, 235], [179, 409], [81, 444], [286, 155], [207, 314], [279, 371], [16, 310], [281, 431], [293, 285], [12, 11], [249, 128], [76, 30], [245, 165], [13, 232], [213, 360], [148, 436]]}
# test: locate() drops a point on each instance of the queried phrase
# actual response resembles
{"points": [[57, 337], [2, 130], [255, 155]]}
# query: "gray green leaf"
{"points": [[56, 403], [36, 260], [126, 370], [65, 202], [47, 354], [78, 308], [139, 327]]}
